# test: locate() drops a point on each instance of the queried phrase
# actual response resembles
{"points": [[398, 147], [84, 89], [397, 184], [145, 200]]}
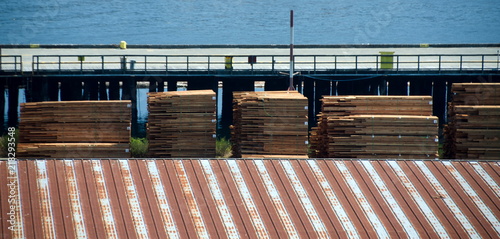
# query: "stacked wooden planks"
{"points": [[383, 136], [182, 124], [269, 123], [82, 129], [376, 127], [473, 131]]}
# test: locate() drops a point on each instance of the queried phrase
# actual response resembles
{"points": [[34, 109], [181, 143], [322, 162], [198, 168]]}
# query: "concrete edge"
{"points": [[151, 46]]}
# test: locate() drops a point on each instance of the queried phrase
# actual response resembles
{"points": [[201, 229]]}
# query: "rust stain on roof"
{"points": [[249, 198]]}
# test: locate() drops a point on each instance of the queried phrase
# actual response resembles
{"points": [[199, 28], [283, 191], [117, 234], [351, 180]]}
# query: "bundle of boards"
{"points": [[75, 129], [269, 123], [376, 127], [182, 124], [473, 131]]}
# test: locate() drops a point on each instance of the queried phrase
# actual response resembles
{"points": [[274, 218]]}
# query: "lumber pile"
{"points": [[383, 136], [182, 124], [269, 123], [473, 131], [74, 129], [375, 127], [74, 150]]}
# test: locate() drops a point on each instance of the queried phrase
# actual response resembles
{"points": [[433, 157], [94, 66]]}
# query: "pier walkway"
{"points": [[250, 60]]}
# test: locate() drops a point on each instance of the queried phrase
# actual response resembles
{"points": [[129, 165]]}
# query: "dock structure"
{"points": [[92, 72]]}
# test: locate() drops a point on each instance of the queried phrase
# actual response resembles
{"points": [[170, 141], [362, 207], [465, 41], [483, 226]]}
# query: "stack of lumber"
{"points": [[74, 150], [84, 129], [346, 127], [269, 123], [474, 128], [383, 136], [182, 124]]}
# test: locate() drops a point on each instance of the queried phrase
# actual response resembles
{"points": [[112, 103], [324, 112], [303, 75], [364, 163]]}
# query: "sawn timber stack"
{"points": [[375, 127], [473, 131], [182, 124], [76, 129], [269, 123]]}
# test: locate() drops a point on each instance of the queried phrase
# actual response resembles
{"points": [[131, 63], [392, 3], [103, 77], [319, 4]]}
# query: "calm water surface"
{"points": [[248, 22]]}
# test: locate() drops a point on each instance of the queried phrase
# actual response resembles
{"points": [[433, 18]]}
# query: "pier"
{"points": [[108, 72]]}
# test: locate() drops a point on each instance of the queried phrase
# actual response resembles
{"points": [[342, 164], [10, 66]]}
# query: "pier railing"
{"points": [[11, 64], [127, 64]]}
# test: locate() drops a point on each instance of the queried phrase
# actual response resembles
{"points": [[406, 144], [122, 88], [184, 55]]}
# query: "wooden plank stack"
{"points": [[182, 124], [376, 127], [74, 129], [383, 136], [269, 123], [473, 131]]}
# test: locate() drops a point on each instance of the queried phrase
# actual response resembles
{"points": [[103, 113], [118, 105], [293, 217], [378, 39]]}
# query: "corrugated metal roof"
{"points": [[250, 198]]}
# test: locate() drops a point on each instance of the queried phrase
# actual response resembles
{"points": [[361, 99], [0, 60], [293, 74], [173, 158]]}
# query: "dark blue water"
{"points": [[248, 22]]}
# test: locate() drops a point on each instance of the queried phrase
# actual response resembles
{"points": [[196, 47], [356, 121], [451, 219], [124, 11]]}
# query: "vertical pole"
{"points": [[290, 87]]}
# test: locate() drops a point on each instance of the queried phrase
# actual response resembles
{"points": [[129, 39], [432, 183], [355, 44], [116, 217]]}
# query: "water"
{"points": [[248, 22]]}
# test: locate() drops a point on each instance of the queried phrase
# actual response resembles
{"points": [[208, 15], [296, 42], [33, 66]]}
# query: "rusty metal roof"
{"points": [[250, 198]]}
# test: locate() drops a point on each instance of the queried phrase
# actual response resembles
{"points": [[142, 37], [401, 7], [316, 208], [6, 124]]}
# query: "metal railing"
{"points": [[11, 63], [311, 63]]}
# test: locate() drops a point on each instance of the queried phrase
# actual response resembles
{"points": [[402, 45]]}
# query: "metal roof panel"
{"points": [[249, 198]]}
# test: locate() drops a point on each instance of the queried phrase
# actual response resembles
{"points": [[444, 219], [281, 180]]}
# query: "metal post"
{"points": [[461, 61], [59, 64], [187, 62], [290, 87], [208, 67], [418, 63], [439, 63], [482, 63], [272, 59], [166, 64], [356, 62], [102, 64], [397, 63], [314, 64], [498, 58]]}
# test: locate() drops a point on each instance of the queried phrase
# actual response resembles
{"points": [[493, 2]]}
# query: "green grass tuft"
{"points": [[4, 143], [139, 147], [223, 148]]}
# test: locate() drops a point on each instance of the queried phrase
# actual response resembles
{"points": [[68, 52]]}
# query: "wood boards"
{"points": [[375, 127], [473, 131], [83, 129], [269, 123], [182, 124]]}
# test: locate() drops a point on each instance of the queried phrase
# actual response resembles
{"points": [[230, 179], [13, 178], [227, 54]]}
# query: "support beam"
{"points": [[114, 89], [202, 83], [2, 105], [13, 86], [53, 90], [172, 85], [161, 85], [276, 84], [228, 87], [103, 94], [129, 92], [71, 89]]}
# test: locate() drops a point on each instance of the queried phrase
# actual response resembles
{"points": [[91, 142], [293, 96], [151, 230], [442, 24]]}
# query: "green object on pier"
{"points": [[386, 60]]}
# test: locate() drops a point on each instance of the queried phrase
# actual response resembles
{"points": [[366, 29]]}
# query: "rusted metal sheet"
{"points": [[249, 198]]}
